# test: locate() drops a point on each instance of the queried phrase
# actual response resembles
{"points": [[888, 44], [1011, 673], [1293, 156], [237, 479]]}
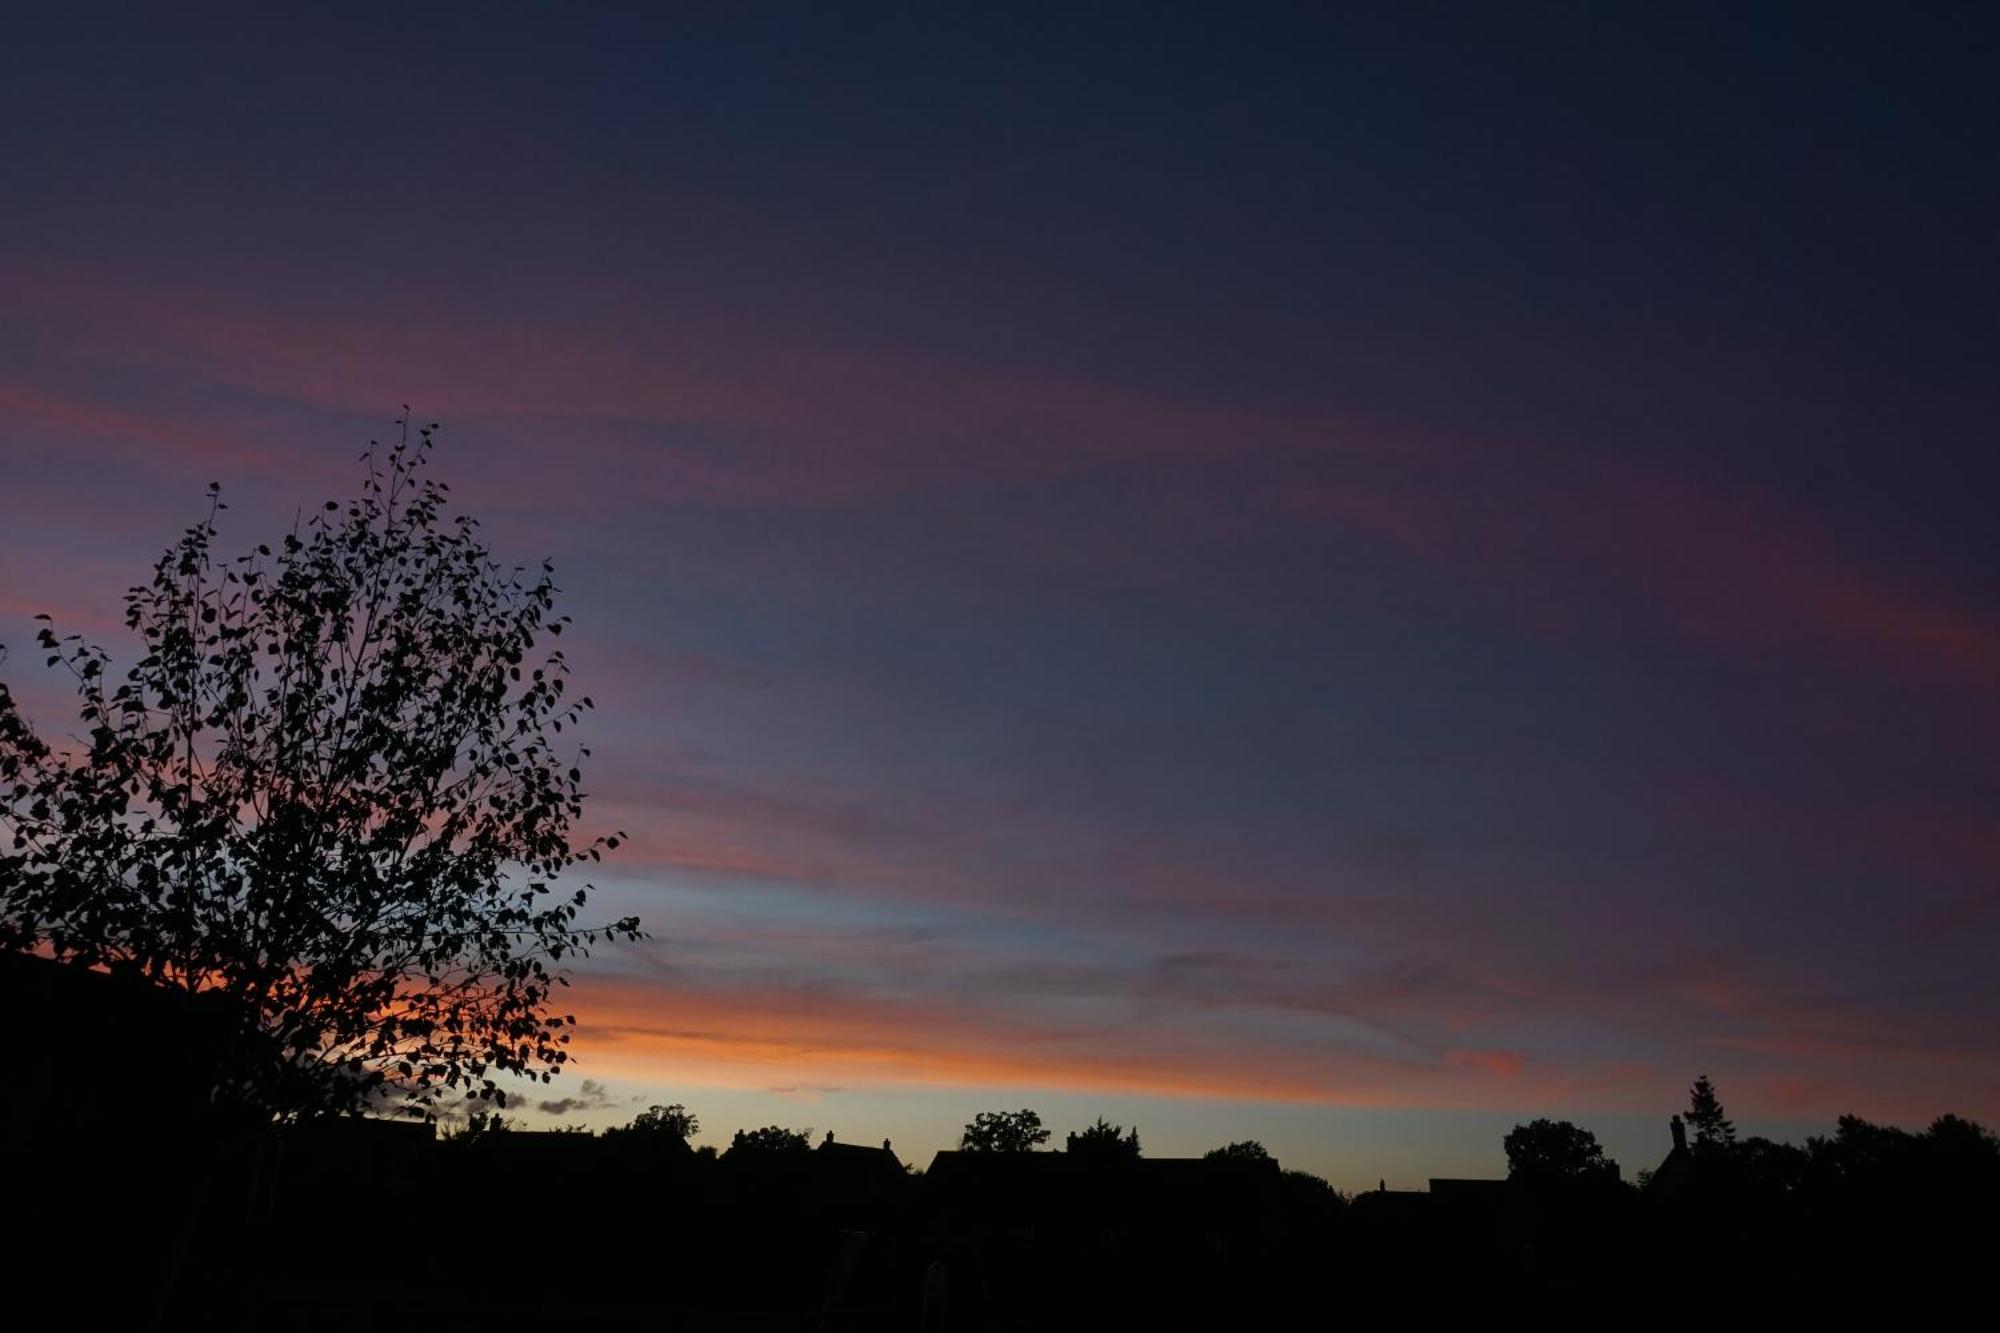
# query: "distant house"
{"points": [[1678, 1172], [1384, 1215], [1057, 1239], [106, 1118], [857, 1174], [1462, 1192], [326, 1177], [1486, 1223], [1046, 1194], [540, 1149], [101, 1046]]}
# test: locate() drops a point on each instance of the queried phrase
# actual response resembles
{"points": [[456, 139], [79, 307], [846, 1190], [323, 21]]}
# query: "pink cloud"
{"points": [[809, 425], [1742, 570]]}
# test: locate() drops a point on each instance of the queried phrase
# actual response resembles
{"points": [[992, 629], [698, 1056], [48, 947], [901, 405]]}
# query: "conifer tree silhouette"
{"points": [[1712, 1129]]}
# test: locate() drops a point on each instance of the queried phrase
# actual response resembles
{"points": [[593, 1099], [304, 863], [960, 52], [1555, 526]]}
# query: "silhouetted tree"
{"points": [[1766, 1168], [770, 1141], [1308, 1197], [1549, 1151], [670, 1122], [1249, 1150], [330, 791], [1862, 1152], [1712, 1129], [1106, 1140], [1004, 1131], [1894, 1202], [1958, 1137], [1960, 1159]]}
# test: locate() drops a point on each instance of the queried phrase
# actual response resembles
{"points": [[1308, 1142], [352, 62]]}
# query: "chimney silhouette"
{"points": [[1680, 1134]]}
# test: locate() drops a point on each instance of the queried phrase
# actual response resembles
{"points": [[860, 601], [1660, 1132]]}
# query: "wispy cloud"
{"points": [[590, 1096]]}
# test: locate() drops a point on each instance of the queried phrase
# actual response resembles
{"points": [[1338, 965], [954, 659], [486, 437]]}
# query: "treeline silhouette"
{"points": [[139, 1205]]}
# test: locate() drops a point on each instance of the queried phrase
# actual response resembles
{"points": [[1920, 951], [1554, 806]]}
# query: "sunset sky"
{"points": [[1339, 581]]}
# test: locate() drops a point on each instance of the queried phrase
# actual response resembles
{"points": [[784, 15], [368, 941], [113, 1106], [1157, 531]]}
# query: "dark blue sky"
{"points": [[1230, 567]]}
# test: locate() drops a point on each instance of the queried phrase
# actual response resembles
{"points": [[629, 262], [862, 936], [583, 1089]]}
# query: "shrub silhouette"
{"points": [[661, 1122], [1553, 1151], [770, 1141], [1248, 1150], [1106, 1142], [1004, 1131]]}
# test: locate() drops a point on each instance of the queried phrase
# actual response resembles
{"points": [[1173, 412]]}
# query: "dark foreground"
{"points": [[130, 1205], [366, 1224]]}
